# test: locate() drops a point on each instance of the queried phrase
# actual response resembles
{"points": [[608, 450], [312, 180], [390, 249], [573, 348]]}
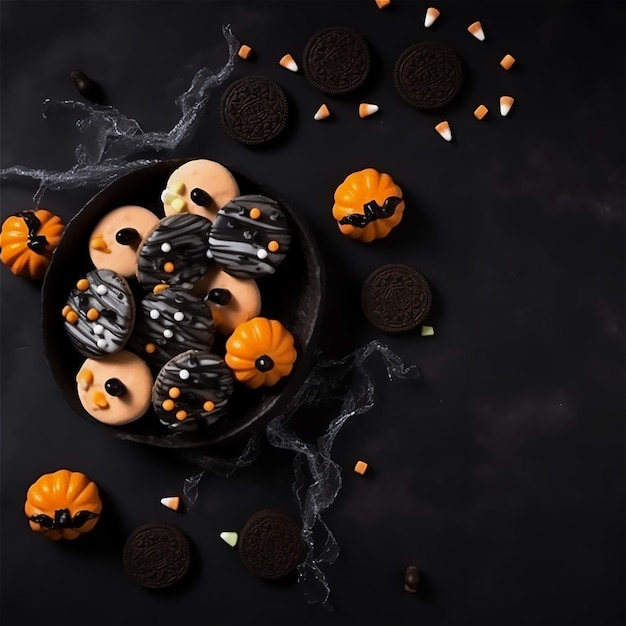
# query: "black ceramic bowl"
{"points": [[293, 295]]}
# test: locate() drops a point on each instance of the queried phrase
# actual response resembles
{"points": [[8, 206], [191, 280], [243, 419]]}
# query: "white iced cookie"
{"points": [[199, 186], [232, 300], [114, 241]]}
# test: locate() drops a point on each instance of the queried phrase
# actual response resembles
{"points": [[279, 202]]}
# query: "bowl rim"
{"points": [[240, 429]]}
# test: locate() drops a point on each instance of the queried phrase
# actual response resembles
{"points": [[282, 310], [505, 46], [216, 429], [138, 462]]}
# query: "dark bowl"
{"points": [[293, 295]]}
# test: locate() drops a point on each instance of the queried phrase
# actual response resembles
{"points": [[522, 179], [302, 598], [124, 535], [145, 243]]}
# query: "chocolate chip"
{"points": [[87, 87]]}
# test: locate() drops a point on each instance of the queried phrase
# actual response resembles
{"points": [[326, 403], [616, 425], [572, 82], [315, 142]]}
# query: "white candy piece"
{"points": [[322, 113], [443, 128], [179, 316], [262, 254], [230, 538], [102, 290], [431, 15], [288, 63], [154, 314], [477, 30], [365, 109], [168, 333], [184, 374], [506, 102], [166, 247], [427, 331], [172, 502]]}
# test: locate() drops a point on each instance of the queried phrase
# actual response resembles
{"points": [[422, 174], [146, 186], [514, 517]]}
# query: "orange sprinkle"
{"points": [[255, 213], [100, 400], [66, 309], [160, 287], [168, 267], [507, 61], [383, 3], [150, 348], [181, 415], [71, 317], [273, 246], [84, 378], [82, 284], [244, 51], [168, 405], [360, 467], [208, 406], [98, 243], [174, 392], [93, 314], [480, 111]]}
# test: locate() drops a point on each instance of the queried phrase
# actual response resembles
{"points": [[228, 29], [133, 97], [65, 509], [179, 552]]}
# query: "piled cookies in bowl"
{"points": [[171, 294]]}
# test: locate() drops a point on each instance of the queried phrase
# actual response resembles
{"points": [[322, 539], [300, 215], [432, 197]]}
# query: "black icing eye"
{"points": [[115, 387], [200, 197], [220, 296], [127, 236]]}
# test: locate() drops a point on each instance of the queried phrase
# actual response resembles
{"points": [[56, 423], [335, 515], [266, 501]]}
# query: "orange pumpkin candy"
{"points": [[260, 352], [28, 239], [63, 505], [368, 205]]}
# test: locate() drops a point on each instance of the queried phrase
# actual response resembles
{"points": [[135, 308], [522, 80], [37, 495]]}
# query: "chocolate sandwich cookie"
{"points": [[395, 298], [175, 251], [157, 555], [270, 544], [336, 60], [250, 236], [254, 110], [192, 390], [170, 322], [427, 75], [99, 313]]}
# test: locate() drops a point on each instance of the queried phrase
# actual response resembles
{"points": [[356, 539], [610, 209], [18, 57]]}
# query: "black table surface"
{"points": [[500, 472]]}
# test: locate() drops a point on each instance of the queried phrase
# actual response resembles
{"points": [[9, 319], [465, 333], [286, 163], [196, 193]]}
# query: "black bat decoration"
{"points": [[63, 519], [37, 243], [372, 211]]}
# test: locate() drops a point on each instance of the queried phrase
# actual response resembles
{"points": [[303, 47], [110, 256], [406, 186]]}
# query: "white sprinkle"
{"points": [[183, 374], [209, 255], [102, 343], [179, 316], [262, 254], [166, 247], [98, 329], [154, 314], [168, 333], [101, 290]]}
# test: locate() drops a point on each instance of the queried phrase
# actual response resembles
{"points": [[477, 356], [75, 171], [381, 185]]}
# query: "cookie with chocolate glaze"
{"points": [[170, 322], [250, 236], [99, 313], [192, 390], [175, 252]]}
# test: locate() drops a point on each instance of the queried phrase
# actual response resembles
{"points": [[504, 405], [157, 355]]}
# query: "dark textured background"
{"points": [[501, 472]]}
